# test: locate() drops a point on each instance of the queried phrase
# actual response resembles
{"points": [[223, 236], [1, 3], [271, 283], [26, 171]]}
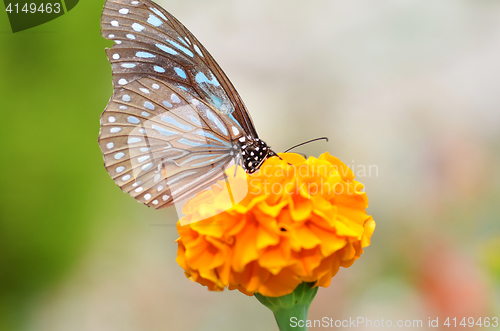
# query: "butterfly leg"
{"points": [[162, 163], [162, 169], [238, 160], [274, 154]]}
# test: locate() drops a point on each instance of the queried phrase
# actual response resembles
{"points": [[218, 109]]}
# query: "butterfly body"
{"points": [[175, 122], [254, 152]]}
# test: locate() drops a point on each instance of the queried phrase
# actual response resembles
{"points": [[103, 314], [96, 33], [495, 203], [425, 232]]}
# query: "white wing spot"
{"points": [[126, 177], [110, 145], [111, 119], [130, 36], [157, 177], [159, 13], [145, 149], [153, 20], [155, 86], [142, 158], [137, 27], [133, 140], [133, 120], [214, 119], [160, 188], [149, 105], [166, 49], [235, 131], [198, 50], [114, 23], [147, 196], [175, 98], [116, 56], [122, 81], [111, 36], [155, 202], [167, 104], [135, 2], [144, 90], [159, 69], [126, 97], [119, 155], [180, 72], [123, 11], [183, 41], [118, 42], [181, 48], [147, 166], [136, 183], [127, 65], [123, 107], [115, 130], [195, 119], [139, 189], [120, 169], [145, 114], [145, 55], [165, 197]]}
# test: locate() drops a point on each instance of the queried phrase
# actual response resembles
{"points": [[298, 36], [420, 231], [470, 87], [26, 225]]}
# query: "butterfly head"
{"points": [[254, 152]]}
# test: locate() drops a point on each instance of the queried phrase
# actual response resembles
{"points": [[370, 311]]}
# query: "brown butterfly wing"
{"points": [[150, 42], [162, 144]]}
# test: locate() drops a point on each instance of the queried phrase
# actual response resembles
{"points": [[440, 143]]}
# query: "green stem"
{"points": [[290, 311], [288, 319]]}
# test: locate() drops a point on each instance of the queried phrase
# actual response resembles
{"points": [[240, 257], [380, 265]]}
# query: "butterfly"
{"points": [[175, 122]]}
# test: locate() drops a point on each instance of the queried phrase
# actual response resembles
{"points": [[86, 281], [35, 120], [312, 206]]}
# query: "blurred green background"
{"points": [[411, 87]]}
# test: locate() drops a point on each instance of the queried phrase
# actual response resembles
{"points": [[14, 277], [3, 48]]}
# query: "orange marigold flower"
{"points": [[297, 223]]}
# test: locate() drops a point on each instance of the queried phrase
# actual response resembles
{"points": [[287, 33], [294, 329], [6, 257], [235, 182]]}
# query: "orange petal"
{"points": [[327, 269], [275, 258], [367, 234], [245, 247], [330, 242], [345, 227], [344, 171], [292, 158], [307, 261], [266, 238], [300, 208], [254, 277], [281, 284], [303, 238]]}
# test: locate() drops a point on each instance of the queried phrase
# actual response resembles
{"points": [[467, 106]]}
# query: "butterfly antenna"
{"points": [[306, 142]]}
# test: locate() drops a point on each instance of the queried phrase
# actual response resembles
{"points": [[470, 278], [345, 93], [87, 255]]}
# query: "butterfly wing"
{"points": [[162, 144], [150, 42]]}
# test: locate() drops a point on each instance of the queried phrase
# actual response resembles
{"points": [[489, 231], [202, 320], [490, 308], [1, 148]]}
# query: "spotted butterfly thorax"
{"points": [[175, 123]]}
